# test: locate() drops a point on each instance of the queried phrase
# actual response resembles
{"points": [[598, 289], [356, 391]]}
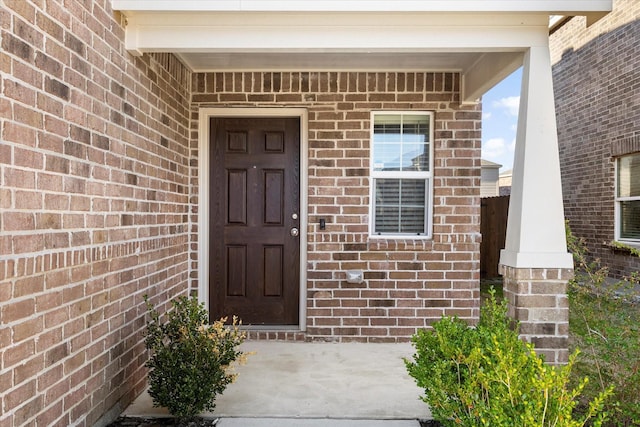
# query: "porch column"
{"points": [[535, 263]]}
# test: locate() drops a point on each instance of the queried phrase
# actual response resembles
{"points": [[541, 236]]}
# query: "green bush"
{"points": [[604, 322], [487, 376], [189, 359]]}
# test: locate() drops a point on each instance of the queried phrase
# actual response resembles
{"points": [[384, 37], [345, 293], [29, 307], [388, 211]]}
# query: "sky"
{"points": [[500, 119]]}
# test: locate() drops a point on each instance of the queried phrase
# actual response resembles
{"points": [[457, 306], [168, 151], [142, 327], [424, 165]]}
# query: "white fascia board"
{"points": [[398, 32], [336, 19], [344, 40], [554, 7]]}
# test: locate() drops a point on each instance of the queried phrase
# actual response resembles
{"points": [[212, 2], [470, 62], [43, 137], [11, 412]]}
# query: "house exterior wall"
{"points": [[408, 283], [504, 182], [489, 182], [597, 87], [94, 180]]}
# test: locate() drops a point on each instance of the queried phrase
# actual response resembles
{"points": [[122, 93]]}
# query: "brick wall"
{"points": [[408, 283], [537, 299], [94, 187], [597, 87]]}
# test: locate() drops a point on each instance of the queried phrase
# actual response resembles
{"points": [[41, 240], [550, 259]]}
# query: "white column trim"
{"points": [[205, 114], [535, 228]]}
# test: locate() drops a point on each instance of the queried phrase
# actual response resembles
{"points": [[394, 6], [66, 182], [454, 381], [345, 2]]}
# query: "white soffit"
{"points": [[327, 61]]}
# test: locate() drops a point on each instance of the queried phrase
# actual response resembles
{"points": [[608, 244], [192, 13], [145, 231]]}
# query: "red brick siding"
{"points": [[537, 299], [408, 283], [597, 87], [94, 188]]}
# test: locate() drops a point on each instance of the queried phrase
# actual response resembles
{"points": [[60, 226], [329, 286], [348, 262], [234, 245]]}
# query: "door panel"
{"points": [[273, 203], [237, 191], [255, 202], [273, 269], [236, 270]]}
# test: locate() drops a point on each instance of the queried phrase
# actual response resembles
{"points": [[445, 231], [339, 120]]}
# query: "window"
{"points": [[628, 198], [401, 174]]}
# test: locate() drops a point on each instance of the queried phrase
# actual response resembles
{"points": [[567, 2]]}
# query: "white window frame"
{"points": [[426, 175], [618, 202]]}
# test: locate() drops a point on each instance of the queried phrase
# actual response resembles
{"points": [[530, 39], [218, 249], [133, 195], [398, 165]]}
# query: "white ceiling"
{"points": [[327, 61]]}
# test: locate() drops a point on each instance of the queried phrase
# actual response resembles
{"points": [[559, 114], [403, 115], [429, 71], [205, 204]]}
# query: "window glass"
{"points": [[628, 197], [630, 220], [401, 173], [401, 142], [629, 176], [400, 206]]}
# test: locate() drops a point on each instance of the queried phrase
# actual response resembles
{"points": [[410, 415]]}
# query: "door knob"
{"points": [[294, 232]]}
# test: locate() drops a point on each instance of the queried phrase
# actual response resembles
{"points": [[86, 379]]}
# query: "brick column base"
{"points": [[537, 298]]}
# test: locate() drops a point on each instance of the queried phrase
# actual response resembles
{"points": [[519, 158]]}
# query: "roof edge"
{"points": [[556, 7]]}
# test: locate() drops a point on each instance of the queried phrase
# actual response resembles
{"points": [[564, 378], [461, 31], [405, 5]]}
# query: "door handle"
{"points": [[294, 232]]}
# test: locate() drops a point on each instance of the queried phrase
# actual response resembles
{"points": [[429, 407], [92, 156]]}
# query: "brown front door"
{"points": [[254, 220]]}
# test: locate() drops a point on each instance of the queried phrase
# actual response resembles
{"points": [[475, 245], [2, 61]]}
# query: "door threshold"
{"points": [[275, 333]]}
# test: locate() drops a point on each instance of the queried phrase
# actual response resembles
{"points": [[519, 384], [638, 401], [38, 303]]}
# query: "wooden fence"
{"points": [[493, 227]]}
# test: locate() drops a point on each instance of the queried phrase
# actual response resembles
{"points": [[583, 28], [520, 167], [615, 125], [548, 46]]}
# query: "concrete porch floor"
{"points": [[316, 381]]}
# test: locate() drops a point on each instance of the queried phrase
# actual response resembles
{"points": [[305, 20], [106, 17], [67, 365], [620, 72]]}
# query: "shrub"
{"points": [[487, 376], [604, 322], [189, 359]]}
